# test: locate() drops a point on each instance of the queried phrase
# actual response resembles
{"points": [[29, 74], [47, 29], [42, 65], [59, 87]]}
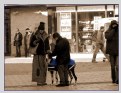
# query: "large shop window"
{"points": [[86, 27]]}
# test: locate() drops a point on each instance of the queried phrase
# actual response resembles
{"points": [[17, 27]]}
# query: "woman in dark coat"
{"points": [[39, 66], [112, 49]]}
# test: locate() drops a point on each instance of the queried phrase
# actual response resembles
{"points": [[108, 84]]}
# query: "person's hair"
{"points": [[102, 27], [27, 29], [56, 35], [41, 26], [112, 23]]}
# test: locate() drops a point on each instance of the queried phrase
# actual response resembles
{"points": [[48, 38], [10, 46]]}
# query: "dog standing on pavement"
{"points": [[53, 69]]}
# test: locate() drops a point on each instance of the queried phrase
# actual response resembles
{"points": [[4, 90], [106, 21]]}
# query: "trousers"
{"points": [[114, 62], [63, 73]]}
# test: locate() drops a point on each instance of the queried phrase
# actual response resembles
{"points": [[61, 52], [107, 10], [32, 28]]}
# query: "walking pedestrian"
{"points": [[18, 42], [62, 53], [112, 44], [100, 40], [39, 66]]}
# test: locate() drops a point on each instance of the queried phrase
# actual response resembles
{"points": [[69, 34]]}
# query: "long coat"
{"points": [[112, 41], [18, 39], [62, 51], [39, 66]]}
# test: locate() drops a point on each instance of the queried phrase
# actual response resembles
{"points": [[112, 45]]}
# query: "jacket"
{"points": [[18, 39], [43, 46], [62, 51], [112, 38]]}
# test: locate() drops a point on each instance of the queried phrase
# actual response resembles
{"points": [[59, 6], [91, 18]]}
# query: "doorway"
{"points": [[7, 33]]}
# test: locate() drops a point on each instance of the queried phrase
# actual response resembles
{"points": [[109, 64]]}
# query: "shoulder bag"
{"points": [[32, 50]]}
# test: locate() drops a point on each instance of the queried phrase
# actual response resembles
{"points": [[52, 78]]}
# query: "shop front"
{"points": [[77, 24]]}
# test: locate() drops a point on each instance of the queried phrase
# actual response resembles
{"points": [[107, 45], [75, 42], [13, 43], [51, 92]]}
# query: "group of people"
{"points": [[18, 42], [110, 51], [62, 52]]}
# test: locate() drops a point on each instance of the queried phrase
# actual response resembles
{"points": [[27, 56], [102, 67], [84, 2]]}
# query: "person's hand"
{"points": [[35, 42], [49, 51], [114, 25], [49, 55]]}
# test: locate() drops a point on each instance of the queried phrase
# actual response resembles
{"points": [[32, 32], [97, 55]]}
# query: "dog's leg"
{"points": [[56, 76], [74, 75], [70, 75], [52, 78]]}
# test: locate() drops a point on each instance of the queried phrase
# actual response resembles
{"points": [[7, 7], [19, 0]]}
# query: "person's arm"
{"points": [[56, 50], [47, 46], [21, 36], [109, 34], [33, 42]]}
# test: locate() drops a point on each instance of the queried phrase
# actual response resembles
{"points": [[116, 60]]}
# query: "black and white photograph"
{"points": [[61, 47]]}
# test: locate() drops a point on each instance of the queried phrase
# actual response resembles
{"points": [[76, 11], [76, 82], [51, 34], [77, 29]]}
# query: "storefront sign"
{"points": [[90, 8], [110, 7], [65, 24], [116, 10], [66, 35], [65, 9], [96, 22]]}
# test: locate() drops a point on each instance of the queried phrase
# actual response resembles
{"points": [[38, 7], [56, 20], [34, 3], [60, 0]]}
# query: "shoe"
{"points": [[60, 85], [41, 84], [113, 82], [94, 62], [117, 82], [104, 59], [66, 84]]}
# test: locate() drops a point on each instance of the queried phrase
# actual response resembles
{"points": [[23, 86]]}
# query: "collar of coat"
{"points": [[43, 36]]}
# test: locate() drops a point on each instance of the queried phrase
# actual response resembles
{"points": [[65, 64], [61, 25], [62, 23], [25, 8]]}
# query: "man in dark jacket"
{"points": [[112, 49], [18, 42], [62, 53]]}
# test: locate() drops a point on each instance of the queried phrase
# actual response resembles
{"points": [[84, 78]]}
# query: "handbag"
{"points": [[32, 50]]}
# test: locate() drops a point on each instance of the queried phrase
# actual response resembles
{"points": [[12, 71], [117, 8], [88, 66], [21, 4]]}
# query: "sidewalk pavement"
{"points": [[78, 57], [91, 76]]}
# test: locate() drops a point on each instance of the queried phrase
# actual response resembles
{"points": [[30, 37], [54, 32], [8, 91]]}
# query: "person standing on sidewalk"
{"points": [[62, 53], [18, 42], [27, 37], [100, 40], [39, 66], [25, 43], [112, 38]]}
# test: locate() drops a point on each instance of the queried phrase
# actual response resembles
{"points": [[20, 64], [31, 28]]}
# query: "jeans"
{"points": [[114, 62], [18, 51], [98, 47]]}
